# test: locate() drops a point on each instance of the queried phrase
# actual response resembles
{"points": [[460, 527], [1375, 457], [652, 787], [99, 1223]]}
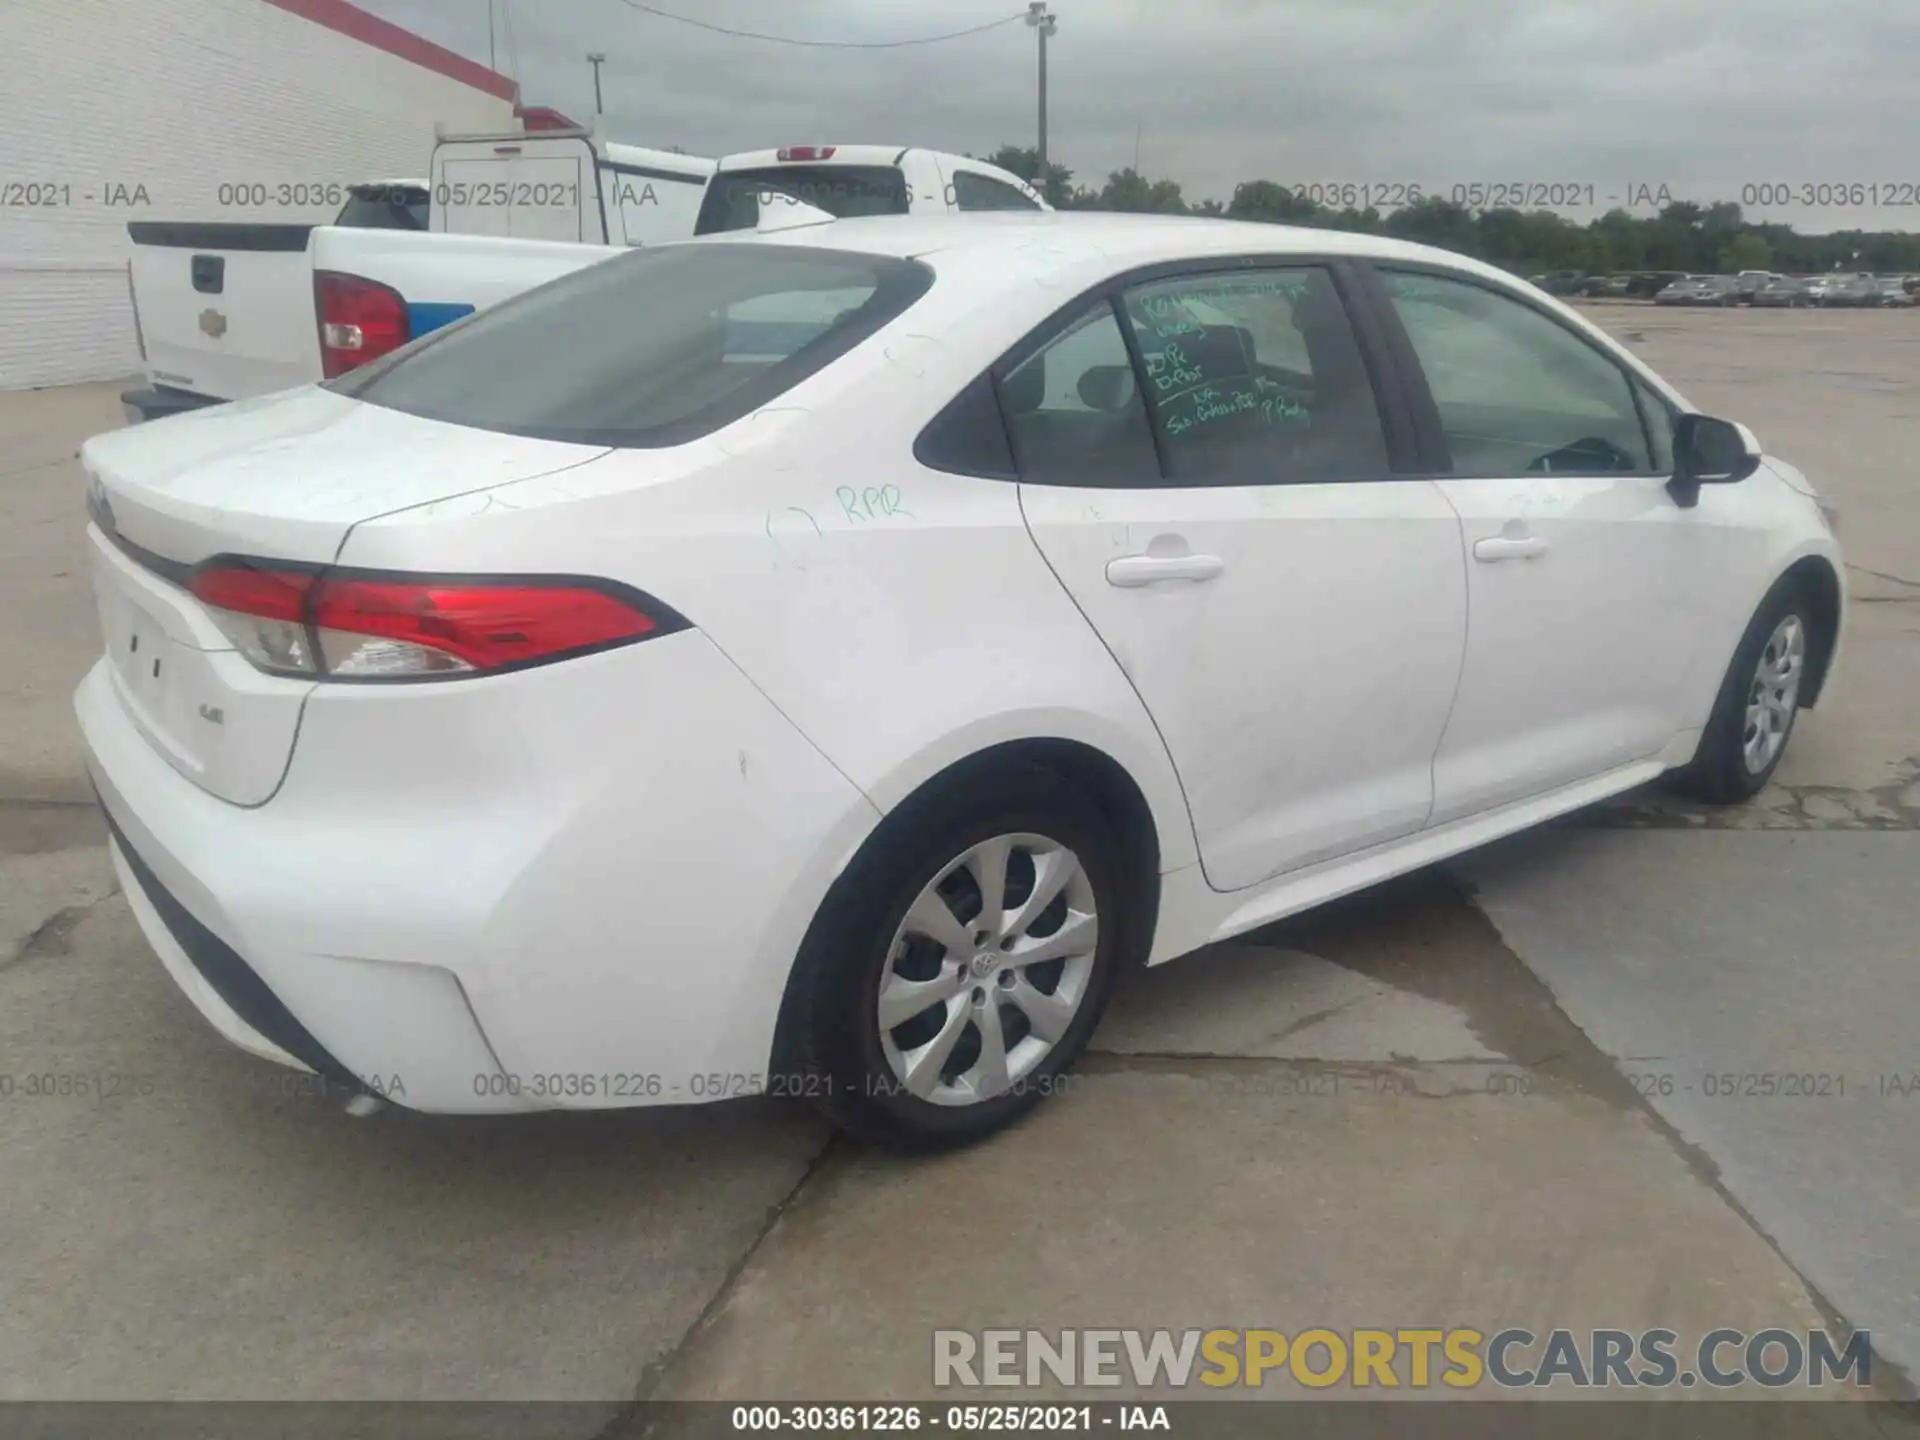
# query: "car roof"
{"points": [[1035, 243]]}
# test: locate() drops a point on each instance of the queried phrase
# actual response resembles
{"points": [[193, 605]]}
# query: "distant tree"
{"points": [[1504, 234], [1721, 218], [1685, 235], [1273, 203], [1366, 221], [1130, 191], [1434, 221], [1745, 252], [1622, 235]]}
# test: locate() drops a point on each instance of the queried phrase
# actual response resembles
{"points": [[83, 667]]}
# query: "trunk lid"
{"points": [[225, 310], [282, 477]]}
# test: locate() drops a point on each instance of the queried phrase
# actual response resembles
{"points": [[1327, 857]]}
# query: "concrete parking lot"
{"points": [[1441, 1103]]}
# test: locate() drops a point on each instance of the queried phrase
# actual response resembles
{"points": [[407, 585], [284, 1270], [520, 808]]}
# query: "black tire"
{"points": [[1719, 774], [835, 1033]]}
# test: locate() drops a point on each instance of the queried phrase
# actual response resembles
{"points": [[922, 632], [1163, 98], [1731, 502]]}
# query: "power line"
{"points": [[822, 44]]}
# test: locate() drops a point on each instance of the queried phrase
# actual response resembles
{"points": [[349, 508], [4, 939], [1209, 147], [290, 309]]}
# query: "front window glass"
{"points": [[1518, 393]]}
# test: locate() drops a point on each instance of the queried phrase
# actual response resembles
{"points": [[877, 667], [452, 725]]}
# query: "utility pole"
{"points": [[1045, 22], [492, 62], [596, 60]]}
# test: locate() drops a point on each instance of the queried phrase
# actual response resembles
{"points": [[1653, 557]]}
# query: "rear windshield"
{"points": [[652, 348], [385, 207], [734, 197]]}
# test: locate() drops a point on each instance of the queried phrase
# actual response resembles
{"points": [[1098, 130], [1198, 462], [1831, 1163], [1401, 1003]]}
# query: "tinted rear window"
{"points": [[734, 197], [385, 207], [653, 348]]}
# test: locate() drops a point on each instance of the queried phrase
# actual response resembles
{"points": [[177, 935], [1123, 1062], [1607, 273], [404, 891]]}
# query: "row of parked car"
{"points": [[1860, 291], [1749, 287]]}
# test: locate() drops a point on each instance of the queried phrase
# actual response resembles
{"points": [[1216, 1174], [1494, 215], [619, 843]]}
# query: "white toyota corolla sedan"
{"points": [[818, 664]]}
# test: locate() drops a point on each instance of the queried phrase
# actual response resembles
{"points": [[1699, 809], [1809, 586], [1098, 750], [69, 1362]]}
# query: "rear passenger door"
{"points": [[1206, 465]]}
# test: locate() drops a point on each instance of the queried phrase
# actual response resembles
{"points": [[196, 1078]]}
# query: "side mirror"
{"points": [[1707, 451]]}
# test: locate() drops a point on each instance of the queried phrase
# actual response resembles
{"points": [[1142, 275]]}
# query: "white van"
{"points": [[564, 185]]}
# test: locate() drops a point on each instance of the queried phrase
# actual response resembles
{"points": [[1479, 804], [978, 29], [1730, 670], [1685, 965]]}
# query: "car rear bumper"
{"points": [[180, 854], [571, 888], [156, 402], [227, 991]]}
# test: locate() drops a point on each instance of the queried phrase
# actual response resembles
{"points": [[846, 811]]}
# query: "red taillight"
{"points": [[263, 594], [360, 320], [352, 627], [807, 152], [485, 627]]}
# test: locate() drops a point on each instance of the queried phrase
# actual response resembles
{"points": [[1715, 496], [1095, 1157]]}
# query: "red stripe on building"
{"points": [[545, 117], [351, 21]]}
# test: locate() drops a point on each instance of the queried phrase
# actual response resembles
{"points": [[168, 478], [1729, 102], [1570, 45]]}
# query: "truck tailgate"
{"points": [[226, 310], [443, 277]]}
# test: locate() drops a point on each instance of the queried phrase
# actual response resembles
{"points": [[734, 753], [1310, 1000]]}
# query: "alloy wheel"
{"points": [[1774, 693], [988, 970]]}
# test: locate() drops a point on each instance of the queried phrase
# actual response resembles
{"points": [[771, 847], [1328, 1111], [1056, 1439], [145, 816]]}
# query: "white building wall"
{"points": [[101, 100]]}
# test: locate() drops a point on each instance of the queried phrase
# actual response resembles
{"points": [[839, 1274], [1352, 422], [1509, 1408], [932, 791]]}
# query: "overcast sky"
{"points": [[1702, 96]]}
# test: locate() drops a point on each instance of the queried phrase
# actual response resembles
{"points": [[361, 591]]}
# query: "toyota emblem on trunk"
{"points": [[213, 322]]}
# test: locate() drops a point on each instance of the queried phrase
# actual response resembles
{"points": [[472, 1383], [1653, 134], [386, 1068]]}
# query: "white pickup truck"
{"points": [[845, 180], [228, 311]]}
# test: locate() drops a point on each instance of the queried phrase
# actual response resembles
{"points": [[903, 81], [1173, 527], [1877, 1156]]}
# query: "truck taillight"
{"points": [[360, 320], [339, 625], [133, 304], [807, 152]]}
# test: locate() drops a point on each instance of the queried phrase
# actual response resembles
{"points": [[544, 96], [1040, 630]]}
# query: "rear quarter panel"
{"points": [[901, 617]]}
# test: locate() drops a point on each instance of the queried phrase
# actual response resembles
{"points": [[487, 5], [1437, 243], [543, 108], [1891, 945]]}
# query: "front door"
{"points": [[1205, 468], [1584, 576]]}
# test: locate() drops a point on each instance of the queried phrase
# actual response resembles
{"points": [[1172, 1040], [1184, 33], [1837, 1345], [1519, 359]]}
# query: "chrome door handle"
{"points": [[1132, 571], [1509, 547]]}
